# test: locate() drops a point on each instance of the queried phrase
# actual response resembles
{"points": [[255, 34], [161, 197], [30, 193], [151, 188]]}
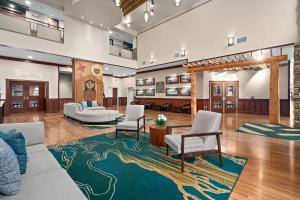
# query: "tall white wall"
{"points": [[81, 41], [28, 71], [204, 31], [121, 83]]}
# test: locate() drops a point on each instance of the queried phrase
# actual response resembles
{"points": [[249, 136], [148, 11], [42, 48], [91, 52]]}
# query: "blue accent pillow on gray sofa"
{"points": [[10, 178], [16, 141]]}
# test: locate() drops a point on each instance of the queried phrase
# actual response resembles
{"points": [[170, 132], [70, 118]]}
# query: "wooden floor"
{"points": [[272, 171]]}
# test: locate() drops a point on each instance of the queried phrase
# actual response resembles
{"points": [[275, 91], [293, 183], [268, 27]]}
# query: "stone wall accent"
{"points": [[297, 86]]}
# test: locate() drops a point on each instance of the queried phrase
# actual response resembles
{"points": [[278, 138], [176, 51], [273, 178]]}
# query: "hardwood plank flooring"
{"points": [[272, 171]]}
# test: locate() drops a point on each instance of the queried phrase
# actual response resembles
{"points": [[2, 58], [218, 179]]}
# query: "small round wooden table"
{"points": [[157, 135]]}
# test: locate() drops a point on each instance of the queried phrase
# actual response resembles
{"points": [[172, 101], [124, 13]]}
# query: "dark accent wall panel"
{"points": [[56, 105], [261, 106]]}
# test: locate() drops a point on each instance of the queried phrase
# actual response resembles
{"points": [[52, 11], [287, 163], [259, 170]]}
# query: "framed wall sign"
{"points": [[186, 91], [171, 92], [160, 87], [140, 82], [172, 79], [140, 93], [150, 92], [185, 78], [149, 81]]}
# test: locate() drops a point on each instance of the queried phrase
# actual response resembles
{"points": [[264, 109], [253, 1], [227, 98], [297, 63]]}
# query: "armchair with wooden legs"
{"points": [[201, 139], [134, 120]]}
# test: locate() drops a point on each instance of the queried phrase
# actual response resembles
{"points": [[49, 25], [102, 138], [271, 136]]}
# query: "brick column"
{"points": [[297, 86]]}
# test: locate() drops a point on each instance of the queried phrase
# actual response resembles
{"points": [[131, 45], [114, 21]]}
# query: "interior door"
{"points": [[216, 96], [115, 97], [231, 96], [36, 96], [17, 97]]}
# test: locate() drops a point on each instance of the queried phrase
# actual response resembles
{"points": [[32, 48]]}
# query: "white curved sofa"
{"points": [[100, 115]]}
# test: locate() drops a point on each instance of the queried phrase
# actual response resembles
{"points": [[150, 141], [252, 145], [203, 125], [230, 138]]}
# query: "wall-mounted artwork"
{"points": [[186, 91], [140, 82], [185, 78], [89, 91], [171, 92], [140, 93], [172, 79], [149, 92], [150, 81], [160, 87], [88, 81]]}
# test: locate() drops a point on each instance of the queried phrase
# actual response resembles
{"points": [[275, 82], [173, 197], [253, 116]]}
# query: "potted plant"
{"points": [[161, 120]]}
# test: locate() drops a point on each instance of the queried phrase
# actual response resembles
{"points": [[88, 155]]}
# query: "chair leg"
{"points": [[138, 135], [116, 134], [167, 150], [219, 151], [182, 162]]}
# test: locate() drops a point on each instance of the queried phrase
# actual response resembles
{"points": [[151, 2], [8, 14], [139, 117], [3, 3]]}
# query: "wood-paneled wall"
{"points": [[55, 105], [108, 101], [251, 106]]}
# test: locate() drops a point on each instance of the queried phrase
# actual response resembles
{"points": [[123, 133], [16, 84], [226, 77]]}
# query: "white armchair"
{"points": [[134, 120], [200, 139]]}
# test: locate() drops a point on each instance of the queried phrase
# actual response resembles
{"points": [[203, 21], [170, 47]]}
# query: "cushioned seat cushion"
{"points": [[51, 185], [193, 144], [40, 162], [10, 180], [128, 125], [17, 142]]}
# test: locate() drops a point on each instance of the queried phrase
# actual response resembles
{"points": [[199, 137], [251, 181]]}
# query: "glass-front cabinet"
{"points": [[26, 96], [224, 96]]}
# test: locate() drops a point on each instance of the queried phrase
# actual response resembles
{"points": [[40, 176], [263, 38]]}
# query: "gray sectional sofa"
{"points": [[44, 179]]}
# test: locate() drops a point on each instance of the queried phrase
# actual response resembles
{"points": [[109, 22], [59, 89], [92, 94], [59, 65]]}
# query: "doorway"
{"points": [[224, 96], [115, 96], [25, 96]]}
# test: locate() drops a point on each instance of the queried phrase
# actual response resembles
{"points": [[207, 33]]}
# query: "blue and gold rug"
{"points": [[106, 168], [275, 131]]}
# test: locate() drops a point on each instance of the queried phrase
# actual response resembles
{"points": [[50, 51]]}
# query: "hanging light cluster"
{"points": [[150, 13]]}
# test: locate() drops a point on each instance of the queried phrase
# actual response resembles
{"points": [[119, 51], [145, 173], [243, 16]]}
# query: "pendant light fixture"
{"points": [[118, 3], [177, 2], [146, 13]]}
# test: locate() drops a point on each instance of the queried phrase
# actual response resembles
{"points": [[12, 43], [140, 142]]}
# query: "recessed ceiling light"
{"points": [[82, 17], [106, 68], [28, 2], [91, 22], [177, 2], [101, 25], [30, 57], [12, 5], [128, 25]]}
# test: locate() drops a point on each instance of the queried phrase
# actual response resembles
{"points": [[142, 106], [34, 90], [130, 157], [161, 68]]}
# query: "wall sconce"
{"points": [[182, 52], [231, 41]]}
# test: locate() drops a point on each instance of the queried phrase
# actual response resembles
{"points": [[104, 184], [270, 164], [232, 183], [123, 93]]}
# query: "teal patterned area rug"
{"points": [[269, 130], [124, 169]]}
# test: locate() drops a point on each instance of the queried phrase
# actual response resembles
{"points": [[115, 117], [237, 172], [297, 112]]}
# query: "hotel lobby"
{"points": [[149, 99]]}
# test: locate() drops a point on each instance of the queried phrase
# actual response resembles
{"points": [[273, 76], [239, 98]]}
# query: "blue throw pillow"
{"points": [[89, 104], [10, 178], [16, 141]]}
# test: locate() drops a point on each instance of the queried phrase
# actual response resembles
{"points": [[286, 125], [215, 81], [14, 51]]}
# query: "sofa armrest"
{"points": [[33, 132]]}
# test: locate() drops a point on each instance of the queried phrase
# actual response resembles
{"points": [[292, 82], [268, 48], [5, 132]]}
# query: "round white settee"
{"points": [[97, 116], [89, 115]]}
